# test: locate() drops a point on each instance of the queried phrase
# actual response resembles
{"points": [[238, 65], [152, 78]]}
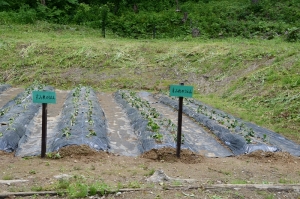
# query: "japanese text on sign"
{"points": [[181, 91], [44, 97]]}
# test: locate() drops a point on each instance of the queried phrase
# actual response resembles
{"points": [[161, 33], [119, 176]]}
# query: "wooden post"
{"points": [[44, 130], [179, 126]]}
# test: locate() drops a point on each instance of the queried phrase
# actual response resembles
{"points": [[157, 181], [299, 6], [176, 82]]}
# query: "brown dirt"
{"points": [[169, 155], [90, 166], [269, 157]]}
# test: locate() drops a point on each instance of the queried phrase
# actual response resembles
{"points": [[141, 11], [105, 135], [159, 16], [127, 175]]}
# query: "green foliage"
{"points": [[53, 155], [7, 177], [265, 19], [4, 4], [293, 34], [78, 190]]}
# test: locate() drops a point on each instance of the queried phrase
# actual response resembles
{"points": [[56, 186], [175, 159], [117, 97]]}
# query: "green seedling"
{"points": [[158, 137], [92, 133], [175, 138], [90, 121], [265, 137], [251, 133], [32, 172], [66, 132], [153, 126], [242, 125], [248, 139], [18, 101], [2, 112]]}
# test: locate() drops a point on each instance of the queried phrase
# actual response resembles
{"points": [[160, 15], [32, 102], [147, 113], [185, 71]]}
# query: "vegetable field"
{"points": [[127, 123]]}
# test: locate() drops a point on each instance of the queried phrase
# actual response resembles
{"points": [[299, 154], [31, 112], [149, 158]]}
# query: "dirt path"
{"points": [[30, 143], [202, 142], [123, 141], [9, 94]]}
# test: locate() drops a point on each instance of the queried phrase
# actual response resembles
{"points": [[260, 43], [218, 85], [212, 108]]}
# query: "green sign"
{"points": [[181, 91], [47, 97]]}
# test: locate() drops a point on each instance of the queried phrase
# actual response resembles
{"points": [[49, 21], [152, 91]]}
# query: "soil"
{"points": [[81, 162], [118, 170]]}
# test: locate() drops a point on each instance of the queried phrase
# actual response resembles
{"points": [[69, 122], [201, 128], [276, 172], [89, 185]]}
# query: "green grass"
{"points": [[238, 181], [7, 177], [256, 80]]}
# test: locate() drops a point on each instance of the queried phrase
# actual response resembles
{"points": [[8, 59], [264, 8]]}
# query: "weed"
{"points": [[7, 177], [120, 185], [63, 184], [32, 172], [216, 197], [27, 157], [92, 190], [102, 188], [78, 190], [53, 155], [239, 181], [37, 188], [77, 168], [285, 181], [145, 167], [134, 184], [150, 172], [176, 183], [265, 194]]}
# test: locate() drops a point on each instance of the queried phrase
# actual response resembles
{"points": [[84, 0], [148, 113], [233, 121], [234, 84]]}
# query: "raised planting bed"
{"points": [[4, 87], [82, 122], [241, 137], [15, 116], [155, 130], [147, 130]]}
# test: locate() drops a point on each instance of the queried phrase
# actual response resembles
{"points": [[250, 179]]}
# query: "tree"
{"points": [[104, 13]]}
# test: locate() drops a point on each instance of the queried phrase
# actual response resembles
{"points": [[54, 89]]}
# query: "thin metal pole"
{"points": [[44, 130], [179, 125]]}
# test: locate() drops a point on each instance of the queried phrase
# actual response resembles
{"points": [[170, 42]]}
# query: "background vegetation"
{"points": [[245, 59], [166, 18]]}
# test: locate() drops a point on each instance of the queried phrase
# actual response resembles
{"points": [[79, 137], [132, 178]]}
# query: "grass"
{"points": [[7, 177], [238, 181], [79, 188], [256, 80]]}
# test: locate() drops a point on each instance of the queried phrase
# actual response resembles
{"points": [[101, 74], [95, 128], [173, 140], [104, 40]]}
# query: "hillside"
{"points": [[256, 80]]}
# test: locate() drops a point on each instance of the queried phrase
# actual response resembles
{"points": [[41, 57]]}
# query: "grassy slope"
{"points": [[256, 80]]}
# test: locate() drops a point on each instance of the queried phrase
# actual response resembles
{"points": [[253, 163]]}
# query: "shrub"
{"points": [[293, 34]]}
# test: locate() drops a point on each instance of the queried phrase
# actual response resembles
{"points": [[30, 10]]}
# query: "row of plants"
{"points": [[225, 120], [159, 125], [23, 99], [254, 135], [241, 137], [15, 115], [82, 121], [77, 97]]}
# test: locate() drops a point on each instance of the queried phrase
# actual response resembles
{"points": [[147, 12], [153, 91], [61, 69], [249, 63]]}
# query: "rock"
{"points": [[63, 176], [160, 176]]}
